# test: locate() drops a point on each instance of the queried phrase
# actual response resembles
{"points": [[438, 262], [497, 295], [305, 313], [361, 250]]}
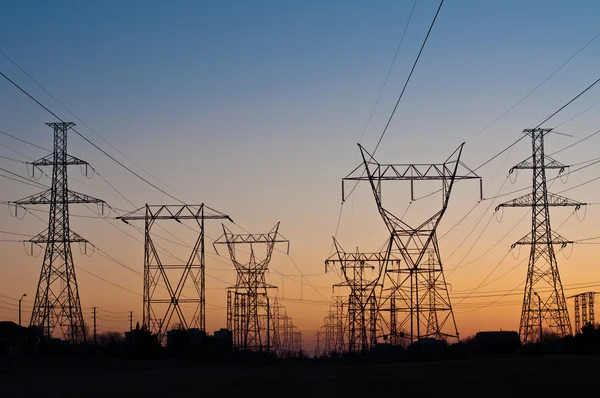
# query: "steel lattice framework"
{"points": [[249, 314], [362, 326], [57, 297], [334, 341], [410, 286], [543, 278], [173, 277], [584, 309]]}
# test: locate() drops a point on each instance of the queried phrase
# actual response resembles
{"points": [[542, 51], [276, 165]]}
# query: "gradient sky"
{"points": [[255, 108]]}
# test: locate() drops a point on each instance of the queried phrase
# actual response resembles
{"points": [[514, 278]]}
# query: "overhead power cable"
{"points": [[85, 124], [389, 70], [568, 103], [24, 141], [536, 87], [409, 76], [92, 143]]}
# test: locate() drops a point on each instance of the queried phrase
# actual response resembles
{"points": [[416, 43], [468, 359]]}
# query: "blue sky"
{"points": [[256, 107]]}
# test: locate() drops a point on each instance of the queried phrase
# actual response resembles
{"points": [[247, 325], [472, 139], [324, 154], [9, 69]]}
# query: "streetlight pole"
{"points": [[540, 309], [24, 295]]}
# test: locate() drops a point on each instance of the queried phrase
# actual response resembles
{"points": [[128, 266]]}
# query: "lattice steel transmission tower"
{"points": [[362, 328], [248, 307], [584, 309], [433, 325], [409, 285], [334, 327], [543, 278], [286, 339], [159, 306], [57, 298]]}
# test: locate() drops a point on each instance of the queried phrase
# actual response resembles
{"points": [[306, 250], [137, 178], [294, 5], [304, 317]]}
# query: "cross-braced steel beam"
{"points": [[57, 303], [249, 311], [415, 288], [158, 308], [362, 274], [543, 279]]}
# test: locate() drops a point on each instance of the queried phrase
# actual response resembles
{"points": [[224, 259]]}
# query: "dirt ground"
{"points": [[490, 377]]}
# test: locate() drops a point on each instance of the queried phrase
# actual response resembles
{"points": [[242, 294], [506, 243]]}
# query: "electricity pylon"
{"points": [[363, 315], [409, 286], [543, 278], [57, 298], [158, 308], [248, 309], [584, 309]]}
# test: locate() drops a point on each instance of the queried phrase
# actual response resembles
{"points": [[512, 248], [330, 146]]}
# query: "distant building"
{"points": [[17, 341], [497, 342], [428, 345], [186, 340], [223, 335]]}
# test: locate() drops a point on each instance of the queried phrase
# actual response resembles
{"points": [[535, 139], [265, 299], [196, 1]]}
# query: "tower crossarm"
{"points": [[270, 239], [555, 239], [358, 257], [49, 160], [174, 212], [528, 201], [43, 237], [549, 163], [453, 169], [446, 173], [45, 198], [411, 172]]}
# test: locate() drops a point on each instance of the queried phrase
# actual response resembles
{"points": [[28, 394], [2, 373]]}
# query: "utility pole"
{"points": [[318, 345], [21, 299], [542, 270], [95, 334], [130, 321], [57, 298]]}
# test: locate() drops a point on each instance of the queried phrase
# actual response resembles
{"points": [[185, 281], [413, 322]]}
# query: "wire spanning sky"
{"points": [[255, 108]]}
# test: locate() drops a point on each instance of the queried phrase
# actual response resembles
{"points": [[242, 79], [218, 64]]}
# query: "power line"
{"points": [[86, 125], [579, 114], [13, 233], [409, 76], [24, 141], [568, 103], [13, 159], [109, 282], [389, 70], [22, 182], [536, 87], [92, 143], [27, 180], [578, 142], [481, 284]]}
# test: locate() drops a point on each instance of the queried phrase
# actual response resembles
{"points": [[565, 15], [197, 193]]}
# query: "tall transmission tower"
{"points": [[362, 273], [584, 309], [340, 306], [433, 325], [158, 308], [543, 278], [410, 285], [57, 301], [248, 310]]}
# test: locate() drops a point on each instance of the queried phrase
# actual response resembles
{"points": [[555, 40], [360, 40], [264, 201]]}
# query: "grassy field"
{"points": [[495, 377]]}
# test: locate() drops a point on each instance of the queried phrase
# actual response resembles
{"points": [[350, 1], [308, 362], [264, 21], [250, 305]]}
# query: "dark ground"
{"points": [[556, 375]]}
